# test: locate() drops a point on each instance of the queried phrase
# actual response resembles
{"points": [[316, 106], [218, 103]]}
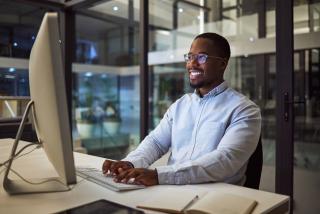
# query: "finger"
{"points": [[131, 175], [114, 168], [140, 180], [121, 176], [125, 176], [120, 170], [106, 166], [121, 165]]}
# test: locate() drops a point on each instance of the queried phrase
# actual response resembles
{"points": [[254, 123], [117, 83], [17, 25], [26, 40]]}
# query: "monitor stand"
{"points": [[36, 185]]}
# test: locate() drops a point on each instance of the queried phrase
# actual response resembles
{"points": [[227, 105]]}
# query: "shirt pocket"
{"points": [[209, 135]]}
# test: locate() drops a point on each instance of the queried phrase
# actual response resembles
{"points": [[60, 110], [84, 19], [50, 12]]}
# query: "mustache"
{"points": [[194, 69]]}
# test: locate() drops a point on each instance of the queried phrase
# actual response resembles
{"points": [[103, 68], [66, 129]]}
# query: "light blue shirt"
{"points": [[211, 138]]}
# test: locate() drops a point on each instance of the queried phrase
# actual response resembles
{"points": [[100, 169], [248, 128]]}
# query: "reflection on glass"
{"points": [[106, 81], [13, 82], [19, 25], [307, 129]]}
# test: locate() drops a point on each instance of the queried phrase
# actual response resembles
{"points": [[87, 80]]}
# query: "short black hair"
{"points": [[221, 44]]}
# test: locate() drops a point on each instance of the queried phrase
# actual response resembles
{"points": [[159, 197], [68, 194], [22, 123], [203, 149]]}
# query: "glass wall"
{"points": [[19, 24], [106, 90], [307, 108], [250, 29]]}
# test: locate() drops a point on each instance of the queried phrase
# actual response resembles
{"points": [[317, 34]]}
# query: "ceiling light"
{"points": [[180, 10], [15, 44], [164, 32], [88, 74], [115, 8]]}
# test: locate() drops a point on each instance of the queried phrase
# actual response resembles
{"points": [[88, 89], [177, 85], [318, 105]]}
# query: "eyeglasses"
{"points": [[201, 58]]}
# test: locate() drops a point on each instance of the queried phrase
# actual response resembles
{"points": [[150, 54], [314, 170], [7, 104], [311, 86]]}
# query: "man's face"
{"points": [[211, 72]]}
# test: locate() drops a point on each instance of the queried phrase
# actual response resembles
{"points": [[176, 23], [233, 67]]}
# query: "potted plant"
{"points": [[86, 122], [111, 120], [85, 113]]}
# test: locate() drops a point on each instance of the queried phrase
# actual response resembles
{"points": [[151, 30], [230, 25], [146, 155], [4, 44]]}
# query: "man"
{"points": [[212, 132]]}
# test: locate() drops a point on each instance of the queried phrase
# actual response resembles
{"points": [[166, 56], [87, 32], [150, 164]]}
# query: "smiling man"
{"points": [[211, 132]]}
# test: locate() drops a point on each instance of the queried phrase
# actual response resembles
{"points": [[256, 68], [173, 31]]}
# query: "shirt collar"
{"points": [[215, 91]]}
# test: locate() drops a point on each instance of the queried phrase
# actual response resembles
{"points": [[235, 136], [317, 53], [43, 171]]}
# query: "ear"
{"points": [[223, 64]]}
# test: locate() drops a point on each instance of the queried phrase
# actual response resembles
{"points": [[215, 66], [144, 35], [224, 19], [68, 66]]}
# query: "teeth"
{"points": [[195, 73]]}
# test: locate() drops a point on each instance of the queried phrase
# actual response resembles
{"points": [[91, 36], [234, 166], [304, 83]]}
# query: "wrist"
{"points": [[130, 164]]}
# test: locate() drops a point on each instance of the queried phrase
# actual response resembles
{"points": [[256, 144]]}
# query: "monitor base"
{"points": [[46, 185]]}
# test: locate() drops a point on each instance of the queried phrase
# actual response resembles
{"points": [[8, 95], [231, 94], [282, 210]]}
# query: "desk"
{"points": [[36, 165]]}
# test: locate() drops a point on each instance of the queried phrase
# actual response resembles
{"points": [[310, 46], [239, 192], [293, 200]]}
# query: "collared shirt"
{"points": [[211, 138]]}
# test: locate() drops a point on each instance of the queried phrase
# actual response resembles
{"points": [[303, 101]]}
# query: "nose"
{"points": [[194, 62]]}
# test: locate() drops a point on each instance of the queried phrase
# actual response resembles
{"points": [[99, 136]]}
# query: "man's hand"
{"points": [[142, 176], [115, 167]]}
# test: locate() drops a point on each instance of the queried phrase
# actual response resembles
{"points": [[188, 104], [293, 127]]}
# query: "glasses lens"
{"points": [[187, 57], [202, 58]]}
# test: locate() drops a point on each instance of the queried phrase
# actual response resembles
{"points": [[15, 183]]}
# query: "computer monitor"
{"points": [[50, 114]]}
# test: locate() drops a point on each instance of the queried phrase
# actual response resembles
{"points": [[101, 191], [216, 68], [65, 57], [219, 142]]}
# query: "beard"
{"points": [[196, 85]]}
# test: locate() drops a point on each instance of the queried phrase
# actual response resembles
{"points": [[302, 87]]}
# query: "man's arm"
{"points": [[233, 151], [156, 144]]}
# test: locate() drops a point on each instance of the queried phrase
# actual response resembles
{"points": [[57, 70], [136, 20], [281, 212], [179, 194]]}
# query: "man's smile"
{"points": [[195, 74]]}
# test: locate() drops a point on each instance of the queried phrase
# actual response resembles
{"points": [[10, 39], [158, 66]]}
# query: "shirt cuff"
{"points": [[169, 175], [165, 175]]}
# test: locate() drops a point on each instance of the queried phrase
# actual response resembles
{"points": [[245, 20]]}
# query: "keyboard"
{"points": [[96, 176]]}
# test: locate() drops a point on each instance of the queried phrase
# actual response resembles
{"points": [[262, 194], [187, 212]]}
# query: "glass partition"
{"points": [[250, 29], [307, 107], [19, 24], [106, 90]]}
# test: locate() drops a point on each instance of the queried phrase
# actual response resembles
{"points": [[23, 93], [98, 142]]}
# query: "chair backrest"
{"points": [[254, 168]]}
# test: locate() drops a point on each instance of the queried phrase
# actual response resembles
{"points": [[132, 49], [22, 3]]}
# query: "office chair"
{"points": [[254, 168]]}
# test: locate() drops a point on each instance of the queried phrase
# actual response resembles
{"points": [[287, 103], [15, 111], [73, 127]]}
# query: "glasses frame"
{"points": [[196, 56]]}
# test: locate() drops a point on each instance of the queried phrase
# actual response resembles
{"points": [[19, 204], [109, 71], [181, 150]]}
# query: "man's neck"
{"points": [[205, 90]]}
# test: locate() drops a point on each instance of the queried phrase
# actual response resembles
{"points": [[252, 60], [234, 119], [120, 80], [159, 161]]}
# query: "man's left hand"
{"points": [[142, 176]]}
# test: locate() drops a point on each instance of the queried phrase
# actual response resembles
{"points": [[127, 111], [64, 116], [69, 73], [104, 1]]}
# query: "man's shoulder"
{"points": [[238, 99], [183, 101], [184, 98]]}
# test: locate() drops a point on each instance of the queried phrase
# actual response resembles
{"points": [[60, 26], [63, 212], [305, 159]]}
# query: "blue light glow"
{"points": [[88, 74]]}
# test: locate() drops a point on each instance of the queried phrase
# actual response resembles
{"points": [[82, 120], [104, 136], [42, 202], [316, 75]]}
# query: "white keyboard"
{"points": [[98, 177]]}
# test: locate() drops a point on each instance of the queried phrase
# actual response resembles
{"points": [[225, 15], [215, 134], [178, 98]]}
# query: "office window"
{"points": [[106, 91], [19, 24], [307, 107]]}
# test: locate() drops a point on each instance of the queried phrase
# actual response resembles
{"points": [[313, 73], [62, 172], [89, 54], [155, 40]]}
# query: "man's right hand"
{"points": [[115, 167]]}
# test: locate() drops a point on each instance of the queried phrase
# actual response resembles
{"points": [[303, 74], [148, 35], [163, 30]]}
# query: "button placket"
{"points": [[202, 103]]}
